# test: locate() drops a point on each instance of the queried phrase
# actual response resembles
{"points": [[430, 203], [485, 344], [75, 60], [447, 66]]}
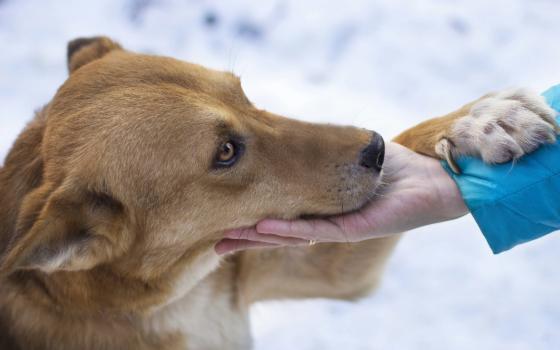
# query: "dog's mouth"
{"points": [[346, 207], [377, 191]]}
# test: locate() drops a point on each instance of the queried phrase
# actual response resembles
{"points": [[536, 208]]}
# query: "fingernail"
{"points": [[222, 249], [219, 248]]}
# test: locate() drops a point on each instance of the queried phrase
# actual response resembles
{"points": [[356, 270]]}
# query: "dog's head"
{"points": [[148, 160]]}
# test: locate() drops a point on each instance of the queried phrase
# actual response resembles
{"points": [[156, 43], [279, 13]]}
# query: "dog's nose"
{"points": [[373, 155]]}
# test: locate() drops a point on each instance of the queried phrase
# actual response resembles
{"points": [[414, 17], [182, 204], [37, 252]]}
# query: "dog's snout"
{"points": [[373, 155]]}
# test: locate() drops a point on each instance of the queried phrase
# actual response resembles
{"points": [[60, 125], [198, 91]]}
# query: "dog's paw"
{"points": [[500, 128]]}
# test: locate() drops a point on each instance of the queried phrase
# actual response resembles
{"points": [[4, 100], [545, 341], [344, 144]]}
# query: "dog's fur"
{"points": [[110, 205]]}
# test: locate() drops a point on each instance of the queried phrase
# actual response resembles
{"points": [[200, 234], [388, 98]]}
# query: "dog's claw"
{"points": [[453, 165], [444, 149]]}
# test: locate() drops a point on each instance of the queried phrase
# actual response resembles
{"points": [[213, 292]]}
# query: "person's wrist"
{"points": [[448, 200]]}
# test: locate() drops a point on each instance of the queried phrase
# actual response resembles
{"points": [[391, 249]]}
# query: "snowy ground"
{"points": [[383, 65]]}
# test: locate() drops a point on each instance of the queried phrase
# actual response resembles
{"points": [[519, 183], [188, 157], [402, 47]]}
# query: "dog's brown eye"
{"points": [[228, 153]]}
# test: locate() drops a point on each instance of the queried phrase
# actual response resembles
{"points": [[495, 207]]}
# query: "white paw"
{"points": [[500, 128]]}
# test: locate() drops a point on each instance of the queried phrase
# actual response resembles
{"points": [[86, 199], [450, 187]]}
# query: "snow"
{"points": [[383, 65]]}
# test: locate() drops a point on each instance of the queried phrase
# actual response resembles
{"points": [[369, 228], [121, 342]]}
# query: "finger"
{"points": [[227, 246], [358, 226], [315, 229], [251, 234]]}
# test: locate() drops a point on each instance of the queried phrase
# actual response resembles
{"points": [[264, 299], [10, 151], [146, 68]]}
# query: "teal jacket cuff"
{"points": [[517, 202]]}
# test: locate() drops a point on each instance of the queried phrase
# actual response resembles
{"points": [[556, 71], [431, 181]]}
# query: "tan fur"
{"points": [[110, 208]]}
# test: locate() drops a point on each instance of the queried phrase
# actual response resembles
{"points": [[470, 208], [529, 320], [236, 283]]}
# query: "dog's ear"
{"points": [[82, 51], [73, 231]]}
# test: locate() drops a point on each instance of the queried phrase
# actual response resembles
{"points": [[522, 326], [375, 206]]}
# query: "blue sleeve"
{"points": [[514, 203]]}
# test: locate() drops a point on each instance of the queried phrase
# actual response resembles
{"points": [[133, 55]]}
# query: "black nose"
{"points": [[373, 155]]}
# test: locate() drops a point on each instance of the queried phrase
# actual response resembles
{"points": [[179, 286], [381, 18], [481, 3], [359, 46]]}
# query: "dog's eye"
{"points": [[228, 153]]}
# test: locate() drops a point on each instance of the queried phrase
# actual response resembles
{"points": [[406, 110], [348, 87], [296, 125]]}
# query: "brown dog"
{"points": [[113, 197]]}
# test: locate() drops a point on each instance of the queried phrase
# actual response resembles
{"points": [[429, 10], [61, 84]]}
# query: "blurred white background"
{"points": [[383, 65]]}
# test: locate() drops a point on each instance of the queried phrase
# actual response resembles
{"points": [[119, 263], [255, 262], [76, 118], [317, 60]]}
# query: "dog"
{"points": [[114, 196]]}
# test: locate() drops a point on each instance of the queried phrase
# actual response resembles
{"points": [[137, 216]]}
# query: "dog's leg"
{"points": [[498, 128]]}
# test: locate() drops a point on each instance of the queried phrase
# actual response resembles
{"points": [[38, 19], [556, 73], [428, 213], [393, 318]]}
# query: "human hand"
{"points": [[418, 192]]}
